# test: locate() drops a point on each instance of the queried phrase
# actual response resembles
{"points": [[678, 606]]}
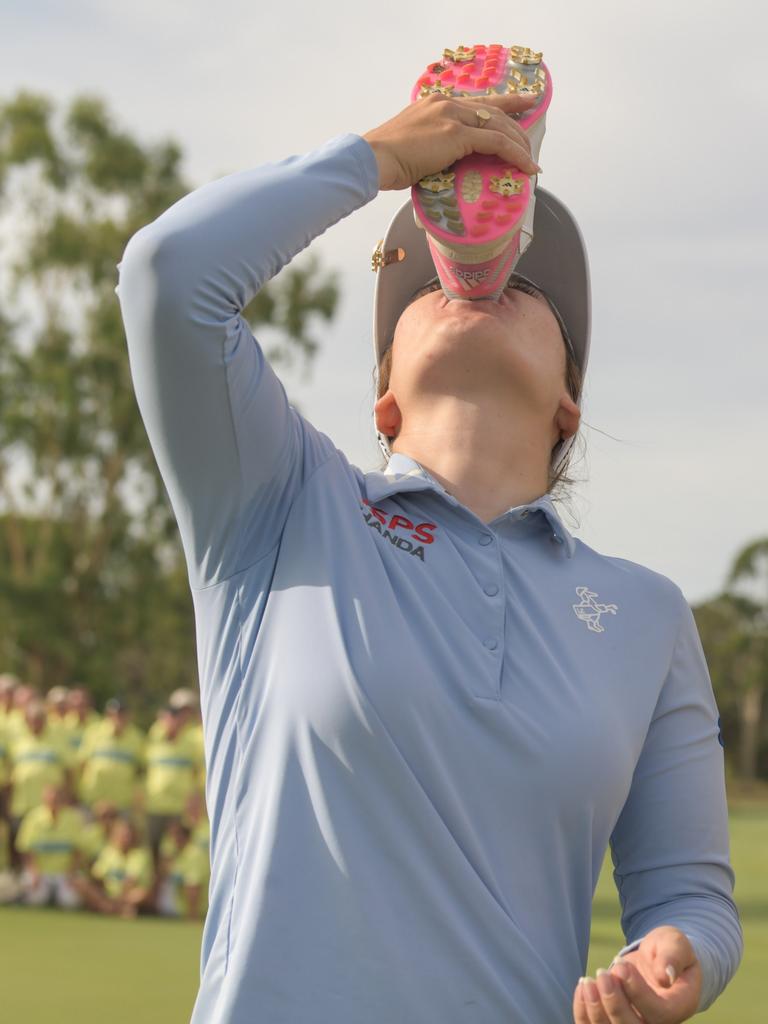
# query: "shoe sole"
{"points": [[478, 213]]}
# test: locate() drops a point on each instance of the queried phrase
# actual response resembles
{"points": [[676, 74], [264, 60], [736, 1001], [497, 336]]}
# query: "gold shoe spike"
{"points": [[524, 55], [506, 185], [438, 182], [444, 90], [461, 55], [516, 80]]}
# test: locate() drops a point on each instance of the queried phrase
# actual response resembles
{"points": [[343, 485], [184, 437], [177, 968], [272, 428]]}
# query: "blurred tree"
{"points": [[734, 633], [92, 581]]}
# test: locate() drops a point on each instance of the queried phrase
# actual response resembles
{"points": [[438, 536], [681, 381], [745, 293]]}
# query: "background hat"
{"points": [[115, 705], [57, 695], [555, 259], [182, 698]]}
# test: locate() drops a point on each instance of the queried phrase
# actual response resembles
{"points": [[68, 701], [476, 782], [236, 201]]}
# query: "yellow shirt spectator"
{"points": [[96, 830], [74, 728], [174, 768], [201, 835], [111, 756], [37, 760], [195, 819], [5, 756], [114, 868], [15, 723], [187, 868], [53, 839], [5, 846]]}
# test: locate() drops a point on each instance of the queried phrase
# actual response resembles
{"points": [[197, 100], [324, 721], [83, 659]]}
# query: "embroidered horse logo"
{"points": [[589, 610]]}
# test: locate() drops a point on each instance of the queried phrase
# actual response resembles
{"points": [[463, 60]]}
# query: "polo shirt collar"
{"points": [[402, 473]]}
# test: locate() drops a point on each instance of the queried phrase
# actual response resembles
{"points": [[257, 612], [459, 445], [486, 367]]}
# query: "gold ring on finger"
{"points": [[483, 117]]}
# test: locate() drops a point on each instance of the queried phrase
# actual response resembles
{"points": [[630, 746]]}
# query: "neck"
{"points": [[489, 463]]}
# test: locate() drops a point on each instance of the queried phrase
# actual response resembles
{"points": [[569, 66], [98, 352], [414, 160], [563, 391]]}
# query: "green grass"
{"points": [[77, 968], [81, 969], [744, 1000]]}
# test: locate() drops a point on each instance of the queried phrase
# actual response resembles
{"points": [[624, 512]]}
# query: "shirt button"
{"points": [[491, 590], [485, 539], [491, 643]]}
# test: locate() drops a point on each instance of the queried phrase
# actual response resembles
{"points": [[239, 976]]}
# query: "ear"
{"points": [[388, 416], [567, 418]]}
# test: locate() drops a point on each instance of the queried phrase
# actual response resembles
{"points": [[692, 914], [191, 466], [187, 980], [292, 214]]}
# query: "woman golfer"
{"points": [[428, 709]]}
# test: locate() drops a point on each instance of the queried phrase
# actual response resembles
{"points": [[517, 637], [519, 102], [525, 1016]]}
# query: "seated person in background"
{"points": [[49, 843], [5, 768], [8, 686], [121, 878], [96, 829], [174, 772], [111, 757], [195, 817], [184, 872], [10, 888]]}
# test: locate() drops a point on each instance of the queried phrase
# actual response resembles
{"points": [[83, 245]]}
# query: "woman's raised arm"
{"points": [[232, 453]]}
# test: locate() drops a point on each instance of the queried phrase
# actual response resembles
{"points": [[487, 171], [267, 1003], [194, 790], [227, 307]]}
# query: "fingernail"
{"points": [[622, 970], [671, 972], [605, 982]]}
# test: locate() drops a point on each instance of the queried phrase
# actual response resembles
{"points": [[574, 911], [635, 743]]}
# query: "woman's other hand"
{"points": [[431, 134], [638, 989]]}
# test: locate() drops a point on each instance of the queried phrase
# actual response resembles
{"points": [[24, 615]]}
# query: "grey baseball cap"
{"points": [[555, 259]]}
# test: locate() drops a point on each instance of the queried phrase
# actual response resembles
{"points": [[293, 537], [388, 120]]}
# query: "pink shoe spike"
{"points": [[478, 213]]}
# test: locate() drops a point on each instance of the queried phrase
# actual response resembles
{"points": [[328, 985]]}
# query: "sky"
{"points": [[655, 140]]}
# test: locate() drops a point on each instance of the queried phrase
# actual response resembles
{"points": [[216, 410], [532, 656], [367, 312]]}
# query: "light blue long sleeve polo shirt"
{"points": [[422, 731]]}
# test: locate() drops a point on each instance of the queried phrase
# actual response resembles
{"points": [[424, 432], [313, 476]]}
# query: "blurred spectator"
{"points": [[48, 840], [111, 756], [184, 875], [121, 878], [8, 684], [80, 716], [184, 699], [5, 772], [16, 721], [10, 887], [196, 818], [186, 704], [36, 761], [174, 772], [96, 829], [56, 706]]}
